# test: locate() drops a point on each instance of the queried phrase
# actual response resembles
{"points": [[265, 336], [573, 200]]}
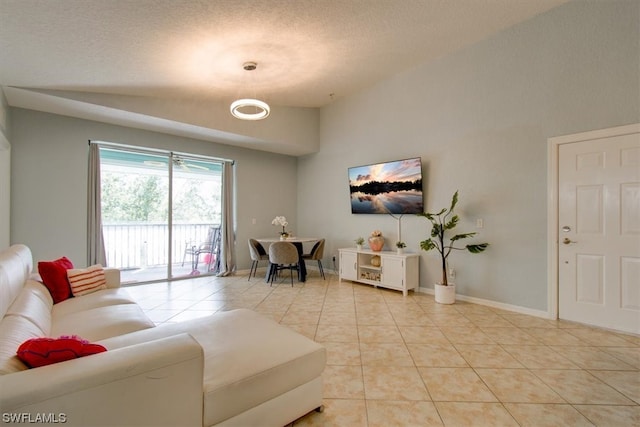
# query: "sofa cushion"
{"points": [[15, 267], [34, 306], [38, 289], [85, 281], [249, 359], [54, 277], [36, 352], [14, 330], [101, 322], [103, 298]]}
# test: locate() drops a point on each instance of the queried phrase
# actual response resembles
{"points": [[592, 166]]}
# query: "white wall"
{"points": [[49, 182], [480, 119], [5, 174]]}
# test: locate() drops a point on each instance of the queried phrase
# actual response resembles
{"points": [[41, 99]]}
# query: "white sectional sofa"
{"points": [[233, 368]]}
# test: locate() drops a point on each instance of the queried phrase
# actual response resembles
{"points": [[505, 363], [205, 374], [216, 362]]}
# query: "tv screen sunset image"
{"points": [[387, 188]]}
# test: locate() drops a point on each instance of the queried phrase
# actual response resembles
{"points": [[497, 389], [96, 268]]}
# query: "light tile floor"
{"points": [[407, 361]]}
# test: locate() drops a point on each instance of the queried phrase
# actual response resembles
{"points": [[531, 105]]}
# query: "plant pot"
{"points": [[445, 294], [359, 247], [400, 251], [376, 243]]}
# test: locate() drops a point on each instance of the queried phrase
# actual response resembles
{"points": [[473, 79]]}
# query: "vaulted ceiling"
{"points": [[309, 53]]}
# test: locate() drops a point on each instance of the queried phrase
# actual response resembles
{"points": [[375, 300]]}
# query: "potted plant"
{"points": [[401, 245], [442, 223], [359, 242]]}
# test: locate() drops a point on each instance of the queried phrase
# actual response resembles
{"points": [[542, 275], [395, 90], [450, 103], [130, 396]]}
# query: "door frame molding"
{"points": [[553, 146]]}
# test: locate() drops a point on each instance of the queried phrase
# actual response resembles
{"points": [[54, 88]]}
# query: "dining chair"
{"points": [[257, 252], [316, 254], [283, 256]]}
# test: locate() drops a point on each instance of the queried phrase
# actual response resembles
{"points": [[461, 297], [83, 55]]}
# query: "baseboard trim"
{"points": [[494, 304], [480, 301]]}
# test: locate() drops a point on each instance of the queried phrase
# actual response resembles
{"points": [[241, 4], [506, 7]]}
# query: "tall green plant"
{"points": [[442, 222]]}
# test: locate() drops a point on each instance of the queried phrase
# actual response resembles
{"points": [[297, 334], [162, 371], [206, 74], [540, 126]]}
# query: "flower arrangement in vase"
{"points": [[376, 241], [282, 221], [359, 242], [400, 245]]}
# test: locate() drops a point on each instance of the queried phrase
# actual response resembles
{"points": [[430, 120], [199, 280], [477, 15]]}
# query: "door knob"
{"points": [[568, 241]]}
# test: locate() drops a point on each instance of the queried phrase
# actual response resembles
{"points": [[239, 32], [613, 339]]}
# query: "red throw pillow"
{"points": [[37, 352], [54, 277]]}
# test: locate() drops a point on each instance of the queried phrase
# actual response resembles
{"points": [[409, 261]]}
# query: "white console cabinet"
{"points": [[394, 271]]}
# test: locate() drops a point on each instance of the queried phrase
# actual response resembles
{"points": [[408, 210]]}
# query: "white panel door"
{"points": [[599, 236]]}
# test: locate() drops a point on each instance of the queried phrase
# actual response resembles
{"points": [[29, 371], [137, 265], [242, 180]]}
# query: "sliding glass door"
{"points": [[161, 214], [196, 215]]}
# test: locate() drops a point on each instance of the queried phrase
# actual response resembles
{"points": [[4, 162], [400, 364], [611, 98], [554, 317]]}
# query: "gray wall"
{"points": [[5, 173], [5, 194], [49, 182], [480, 120]]}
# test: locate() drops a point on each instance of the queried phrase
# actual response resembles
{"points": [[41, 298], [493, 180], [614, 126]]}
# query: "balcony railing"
{"points": [[136, 245]]}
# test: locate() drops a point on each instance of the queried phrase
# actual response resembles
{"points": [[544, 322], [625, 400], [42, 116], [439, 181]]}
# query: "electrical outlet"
{"points": [[479, 223], [452, 273]]}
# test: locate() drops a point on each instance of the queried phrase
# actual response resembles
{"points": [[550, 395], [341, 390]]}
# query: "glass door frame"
{"points": [[171, 156], [210, 241]]}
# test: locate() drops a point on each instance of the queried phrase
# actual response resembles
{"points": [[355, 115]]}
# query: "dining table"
{"points": [[298, 242]]}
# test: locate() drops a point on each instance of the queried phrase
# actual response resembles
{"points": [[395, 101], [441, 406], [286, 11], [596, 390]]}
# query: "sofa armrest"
{"points": [[112, 275], [153, 383]]}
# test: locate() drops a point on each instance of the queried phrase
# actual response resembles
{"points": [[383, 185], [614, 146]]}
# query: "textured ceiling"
{"points": [[306, 49]]}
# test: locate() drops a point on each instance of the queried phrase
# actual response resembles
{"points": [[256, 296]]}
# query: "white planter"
{"points": [[445, 294], [359, 247]]}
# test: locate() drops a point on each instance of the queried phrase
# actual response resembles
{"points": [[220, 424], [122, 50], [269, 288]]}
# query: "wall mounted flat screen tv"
{"points": [[387, 188]]}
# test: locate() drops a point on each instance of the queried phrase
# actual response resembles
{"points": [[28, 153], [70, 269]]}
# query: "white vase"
{"points": [[400, 251], [445, 294], [359, 247]]}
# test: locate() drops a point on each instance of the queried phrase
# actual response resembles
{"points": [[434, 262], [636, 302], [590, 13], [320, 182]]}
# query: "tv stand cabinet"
{"points": [[395, 271]]}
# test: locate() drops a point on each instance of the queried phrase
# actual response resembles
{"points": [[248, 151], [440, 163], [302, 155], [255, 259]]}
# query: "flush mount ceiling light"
{"points": [[250, 108]]}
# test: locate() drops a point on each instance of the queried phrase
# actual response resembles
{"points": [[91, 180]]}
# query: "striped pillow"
{"points": [[86, 280]]}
